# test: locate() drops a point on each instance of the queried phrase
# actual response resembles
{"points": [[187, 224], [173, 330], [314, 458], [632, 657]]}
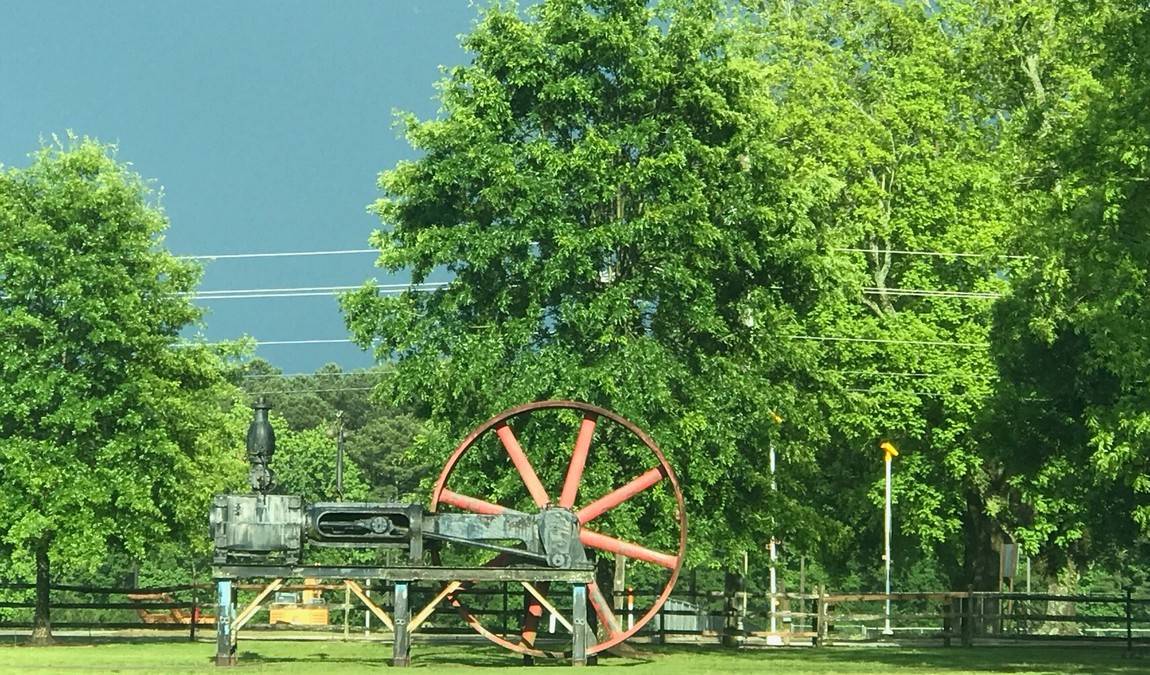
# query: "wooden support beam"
{"points": [[547, 604], [248, 612], [421, 616], [375, 609]]}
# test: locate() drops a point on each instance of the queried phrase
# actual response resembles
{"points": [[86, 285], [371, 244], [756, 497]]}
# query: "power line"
{"points": [[936, 254], [344, 373], [884, 373], [264, 343], [881, 391], [296, 291], [287, 289], [308, 291], [310, 391], [426, 284], [359, 251], [819, 338], [326, 294], [924, 343], [287, 254], [931, 293]]}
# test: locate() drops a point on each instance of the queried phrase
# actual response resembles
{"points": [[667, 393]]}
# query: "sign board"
{"points": [[1009, 561]]}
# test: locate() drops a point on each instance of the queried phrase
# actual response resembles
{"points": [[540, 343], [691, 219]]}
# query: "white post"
{"points": [[367, 614], [746, 573], [630, 608], [774, 553], [889, 453]]}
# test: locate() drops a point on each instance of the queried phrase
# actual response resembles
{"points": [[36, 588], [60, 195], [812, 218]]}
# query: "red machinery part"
{"points": [[582, 453]]}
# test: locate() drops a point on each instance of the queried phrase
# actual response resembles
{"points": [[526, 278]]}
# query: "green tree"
{"points": [[885, 99], [606, 189], [113, 432], [304, 465], [378, 437], [1073, 338]]}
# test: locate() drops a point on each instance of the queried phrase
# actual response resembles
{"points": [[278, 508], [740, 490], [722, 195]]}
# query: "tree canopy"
{"points": [[1072, 339], [703, 214], [621, 227], [114, 430]]}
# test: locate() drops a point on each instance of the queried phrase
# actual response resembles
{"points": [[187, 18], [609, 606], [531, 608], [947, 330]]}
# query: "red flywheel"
{"points": [[609, 473]]}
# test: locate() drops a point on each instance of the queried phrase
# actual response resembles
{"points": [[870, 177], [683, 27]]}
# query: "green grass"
{"points": [[323, 657]]}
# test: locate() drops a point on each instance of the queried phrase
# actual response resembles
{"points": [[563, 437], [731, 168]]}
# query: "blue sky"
{"points": [[264, 122]]}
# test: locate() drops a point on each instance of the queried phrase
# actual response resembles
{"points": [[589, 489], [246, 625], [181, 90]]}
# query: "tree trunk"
{"points": [[980, 564], [41, 621]]}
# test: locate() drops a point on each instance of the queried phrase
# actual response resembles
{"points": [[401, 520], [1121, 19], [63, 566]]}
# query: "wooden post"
{"points": [[701, 613], [967, 620], [947, 620], [503, 615], [1129, 623], [346, 611], [401, 648], [618, 587], [802, 591], [821, 617], [661, 637]]}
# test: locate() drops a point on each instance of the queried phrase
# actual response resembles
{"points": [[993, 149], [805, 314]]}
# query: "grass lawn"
{"points": [[145, 656]]}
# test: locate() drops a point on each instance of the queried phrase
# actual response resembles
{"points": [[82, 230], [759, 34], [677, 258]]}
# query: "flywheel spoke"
{"points": [[578, 461], [602, 609], [522, 465], [626, 548], [617, 497], [532, 613], [540, 595], [471, 503]]}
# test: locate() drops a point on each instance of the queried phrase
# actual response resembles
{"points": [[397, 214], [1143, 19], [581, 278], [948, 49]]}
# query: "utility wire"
{"points": [[263, 343], [288, 254], [876, 373], [881, 391], [924, 343], [427, 284], [309, 291], [310, 391], [357, 251], [324, 294], [936, 254], [819, 338], [342, 373], [885, 373], [931, 293]]}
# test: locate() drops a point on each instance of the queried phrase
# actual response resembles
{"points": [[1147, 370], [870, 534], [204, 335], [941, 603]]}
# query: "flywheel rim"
{"points": [[596, 599]]}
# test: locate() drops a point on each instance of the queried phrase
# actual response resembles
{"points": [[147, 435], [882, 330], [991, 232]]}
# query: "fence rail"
{"points": [[734, 617]]}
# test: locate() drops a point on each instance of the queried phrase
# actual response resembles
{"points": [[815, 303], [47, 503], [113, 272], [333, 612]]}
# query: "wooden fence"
{"points": [[731, 617]]}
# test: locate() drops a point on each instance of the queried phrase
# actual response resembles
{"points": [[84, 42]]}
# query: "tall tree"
{"points": [[884, 99], [113, 432], [378, 437], [1073, 338], [605, 187]]}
